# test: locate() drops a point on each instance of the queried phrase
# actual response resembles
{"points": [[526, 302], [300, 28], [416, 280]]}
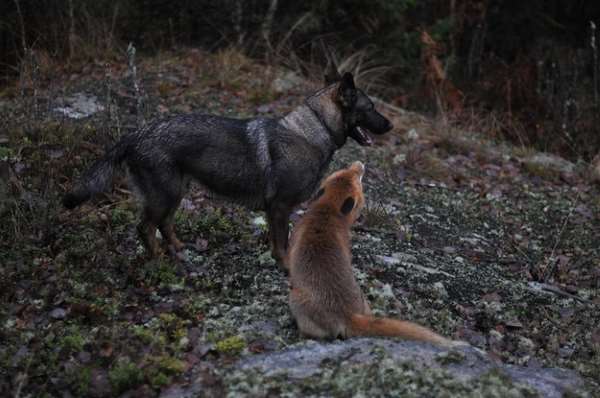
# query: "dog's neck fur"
{"points": [[324, 125]]}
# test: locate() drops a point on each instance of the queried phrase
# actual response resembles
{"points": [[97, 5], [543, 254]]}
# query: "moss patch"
{"points": [[232, 345]]}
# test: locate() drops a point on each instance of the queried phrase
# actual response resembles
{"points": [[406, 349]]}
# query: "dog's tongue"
{"points": [[363, 137]]}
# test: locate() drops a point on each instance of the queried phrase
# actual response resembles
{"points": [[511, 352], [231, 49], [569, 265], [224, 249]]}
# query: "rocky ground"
{"points": [[488, 243]]}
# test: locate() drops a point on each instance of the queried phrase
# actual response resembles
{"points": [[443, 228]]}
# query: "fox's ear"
{"points": [[348, 205], [359, 168], [319, 193], [347, 91]]}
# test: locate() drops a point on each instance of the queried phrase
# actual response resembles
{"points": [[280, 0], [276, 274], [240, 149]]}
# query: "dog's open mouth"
{"points": [[361, 136]]}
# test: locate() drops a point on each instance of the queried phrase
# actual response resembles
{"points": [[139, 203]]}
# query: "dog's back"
{"points": [[225, 155], [248, 161]]}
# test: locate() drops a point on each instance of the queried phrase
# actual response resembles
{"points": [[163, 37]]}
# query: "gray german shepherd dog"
{"points": [[265, 164]]}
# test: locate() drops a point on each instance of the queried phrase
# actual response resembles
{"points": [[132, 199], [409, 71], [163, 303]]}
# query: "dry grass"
{"points": [[594, 170], [234, 70], [490, 124], [368, 69], [376, 217], [231, 67], [426, 162], [542, 171]]}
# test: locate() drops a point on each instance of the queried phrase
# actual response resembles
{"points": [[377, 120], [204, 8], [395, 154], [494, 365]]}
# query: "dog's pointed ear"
{"points": [[332, 75], [348, 205], [348, 81], [347, 90]]}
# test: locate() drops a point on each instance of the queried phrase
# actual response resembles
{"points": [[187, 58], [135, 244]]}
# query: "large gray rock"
{"points": [[286, 82], [549, 161], [467, 366], [79, 106]]}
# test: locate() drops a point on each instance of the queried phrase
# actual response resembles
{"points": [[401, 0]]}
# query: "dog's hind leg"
{"points": [[167, 230], [147, 233], [162, 192], [160, 215], [278, 216], [177, 188], [171, 195]]}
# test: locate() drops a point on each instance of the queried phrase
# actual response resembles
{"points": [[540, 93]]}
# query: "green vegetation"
{"points": [[232, 345], [79, 379], [73, 341], [162, 369], [125, 375], [216, 226]]}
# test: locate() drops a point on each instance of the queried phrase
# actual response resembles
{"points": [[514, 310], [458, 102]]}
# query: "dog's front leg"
{"points": [[278, 218]]}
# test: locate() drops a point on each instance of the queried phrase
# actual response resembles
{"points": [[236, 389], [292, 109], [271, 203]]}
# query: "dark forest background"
{"points": [[523, 70]]}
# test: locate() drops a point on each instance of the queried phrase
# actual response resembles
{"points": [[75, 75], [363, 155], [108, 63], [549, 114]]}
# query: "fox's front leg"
{"points": [[278, 218]]}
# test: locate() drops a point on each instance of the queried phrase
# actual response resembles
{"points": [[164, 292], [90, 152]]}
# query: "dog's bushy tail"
{"points": [[97, 178]]}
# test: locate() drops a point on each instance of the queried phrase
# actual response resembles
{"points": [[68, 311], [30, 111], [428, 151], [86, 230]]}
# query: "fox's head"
{"points": [[359, 116], [343, 189]]}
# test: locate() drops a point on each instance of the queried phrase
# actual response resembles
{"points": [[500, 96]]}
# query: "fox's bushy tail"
{"points": [[367, 325], [97, 178]]}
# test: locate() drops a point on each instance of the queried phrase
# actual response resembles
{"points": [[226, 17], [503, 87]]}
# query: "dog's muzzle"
{"points": [[373, 123]]}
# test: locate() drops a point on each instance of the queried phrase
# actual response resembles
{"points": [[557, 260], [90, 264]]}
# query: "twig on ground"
{"points": [[545, 287], [550, 269]]}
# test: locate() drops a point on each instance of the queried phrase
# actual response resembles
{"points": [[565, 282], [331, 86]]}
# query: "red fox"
{"points": [[325, 298]]}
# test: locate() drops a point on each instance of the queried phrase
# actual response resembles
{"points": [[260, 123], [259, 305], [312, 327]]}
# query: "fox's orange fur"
{"points": [[325, 298]]}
